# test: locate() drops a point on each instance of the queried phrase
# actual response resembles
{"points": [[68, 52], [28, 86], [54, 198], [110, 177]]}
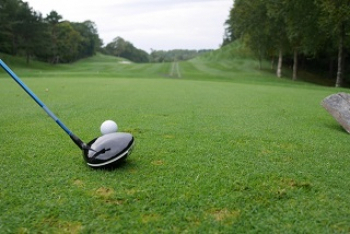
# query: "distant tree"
{"points": [[122, 48], [116, 47], [90, 39], [8, 11], [277, 27], [53, 19], [335, 17], [250, 21], [140, 56], [24, 32], [302, 30], [157, 56], [307, 29], [27, 29], [229, 34], [177, 54], [68, 42]]}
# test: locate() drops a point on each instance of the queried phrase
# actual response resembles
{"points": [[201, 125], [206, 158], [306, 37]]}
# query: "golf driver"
{"points": [[104, 151]]}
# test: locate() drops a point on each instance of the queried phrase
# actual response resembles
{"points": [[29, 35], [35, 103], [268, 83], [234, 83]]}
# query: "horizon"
{"points": [[151, 24]]}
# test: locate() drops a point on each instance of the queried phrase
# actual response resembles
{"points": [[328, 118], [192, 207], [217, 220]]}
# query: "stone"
{"points": [[338, 105]]}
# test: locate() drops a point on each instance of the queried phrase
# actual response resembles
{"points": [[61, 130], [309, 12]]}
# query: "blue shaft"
{"points": [[36, 99]]}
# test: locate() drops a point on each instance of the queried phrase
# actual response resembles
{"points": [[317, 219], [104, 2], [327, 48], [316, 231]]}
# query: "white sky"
{"points": [[156, 24]]}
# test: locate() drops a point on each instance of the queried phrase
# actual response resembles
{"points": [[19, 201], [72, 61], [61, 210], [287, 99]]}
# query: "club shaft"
{"points": [[33, 96]]}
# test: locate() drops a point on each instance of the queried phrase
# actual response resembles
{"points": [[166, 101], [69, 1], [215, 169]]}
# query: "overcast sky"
{"points": [[156, 24]]}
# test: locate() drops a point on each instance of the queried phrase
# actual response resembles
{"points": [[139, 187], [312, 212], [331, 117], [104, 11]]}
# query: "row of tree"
{"points": [[314, 31], [25, 32], [122, 48], [157, 56]]}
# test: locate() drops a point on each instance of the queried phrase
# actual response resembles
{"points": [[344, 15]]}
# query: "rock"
{"points": [[338, 105]]}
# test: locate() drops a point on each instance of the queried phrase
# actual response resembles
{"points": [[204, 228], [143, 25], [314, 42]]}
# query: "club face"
{"points": [[112, 148]]}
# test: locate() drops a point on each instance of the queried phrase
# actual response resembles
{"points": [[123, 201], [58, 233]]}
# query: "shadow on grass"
{"points": [[336, 127]]}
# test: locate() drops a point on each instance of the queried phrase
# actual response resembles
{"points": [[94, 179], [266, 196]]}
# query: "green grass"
{"points": [[225, 149]]}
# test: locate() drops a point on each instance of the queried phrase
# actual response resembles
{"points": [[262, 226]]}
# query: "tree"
{"points": [[302, 31], [248, 20], [90, 39], [335, 16], [53, 19], [314, 30], [229, 35], [122, 48], [27, 28], [275, 12], [68, 41], [8, 11], [24, 32], [260, 24]]}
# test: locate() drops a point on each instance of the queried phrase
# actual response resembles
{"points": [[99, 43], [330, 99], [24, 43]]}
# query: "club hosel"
{"points": [[78, 142]]}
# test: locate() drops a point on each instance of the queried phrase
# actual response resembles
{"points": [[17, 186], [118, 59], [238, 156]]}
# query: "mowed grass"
{"points": [[225, 149]]}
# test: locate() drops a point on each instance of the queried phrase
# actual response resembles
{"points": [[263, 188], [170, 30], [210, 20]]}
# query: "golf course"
{"points": [[220, 147]]}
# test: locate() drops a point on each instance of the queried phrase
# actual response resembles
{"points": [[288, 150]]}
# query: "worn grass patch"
{"points": [[224, 216], [58, 226]]}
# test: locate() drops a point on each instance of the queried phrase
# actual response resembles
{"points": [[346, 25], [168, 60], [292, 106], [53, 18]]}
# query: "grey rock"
{"points": [[338, 105]]}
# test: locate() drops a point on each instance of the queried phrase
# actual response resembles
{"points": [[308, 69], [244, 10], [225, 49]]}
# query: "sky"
{"points": [[148, 24]]}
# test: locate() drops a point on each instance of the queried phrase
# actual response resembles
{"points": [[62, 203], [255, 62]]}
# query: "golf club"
{"points": [[104, 151]]}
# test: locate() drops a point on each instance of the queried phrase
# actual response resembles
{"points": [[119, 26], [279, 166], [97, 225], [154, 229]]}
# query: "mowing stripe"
{"points": [[175, 70]]}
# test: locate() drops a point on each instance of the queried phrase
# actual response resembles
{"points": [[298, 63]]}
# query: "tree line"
{"points": [[311, 33], [157, 56], [120, 47], [25, 32]]}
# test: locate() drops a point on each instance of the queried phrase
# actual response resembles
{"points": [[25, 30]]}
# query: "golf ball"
{"points": [[108, 126]]}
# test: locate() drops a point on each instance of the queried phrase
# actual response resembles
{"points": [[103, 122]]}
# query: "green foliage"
{"points": [[122, 48], [335, 17], [158, 56], [68, 41], [90, 42], [7, 10], [313, 32], [24, 32], [225, 149], [302, 33], [231, 51], [334, 14]]}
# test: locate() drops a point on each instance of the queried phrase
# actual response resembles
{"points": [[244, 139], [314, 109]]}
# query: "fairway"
{"points": [[226, 148]]}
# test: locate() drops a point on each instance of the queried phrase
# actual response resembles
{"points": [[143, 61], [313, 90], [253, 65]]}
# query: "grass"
{"points": [[225, 149]]}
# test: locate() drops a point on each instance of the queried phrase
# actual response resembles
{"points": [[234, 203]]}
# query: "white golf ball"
{"points": [[108, 126]]}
